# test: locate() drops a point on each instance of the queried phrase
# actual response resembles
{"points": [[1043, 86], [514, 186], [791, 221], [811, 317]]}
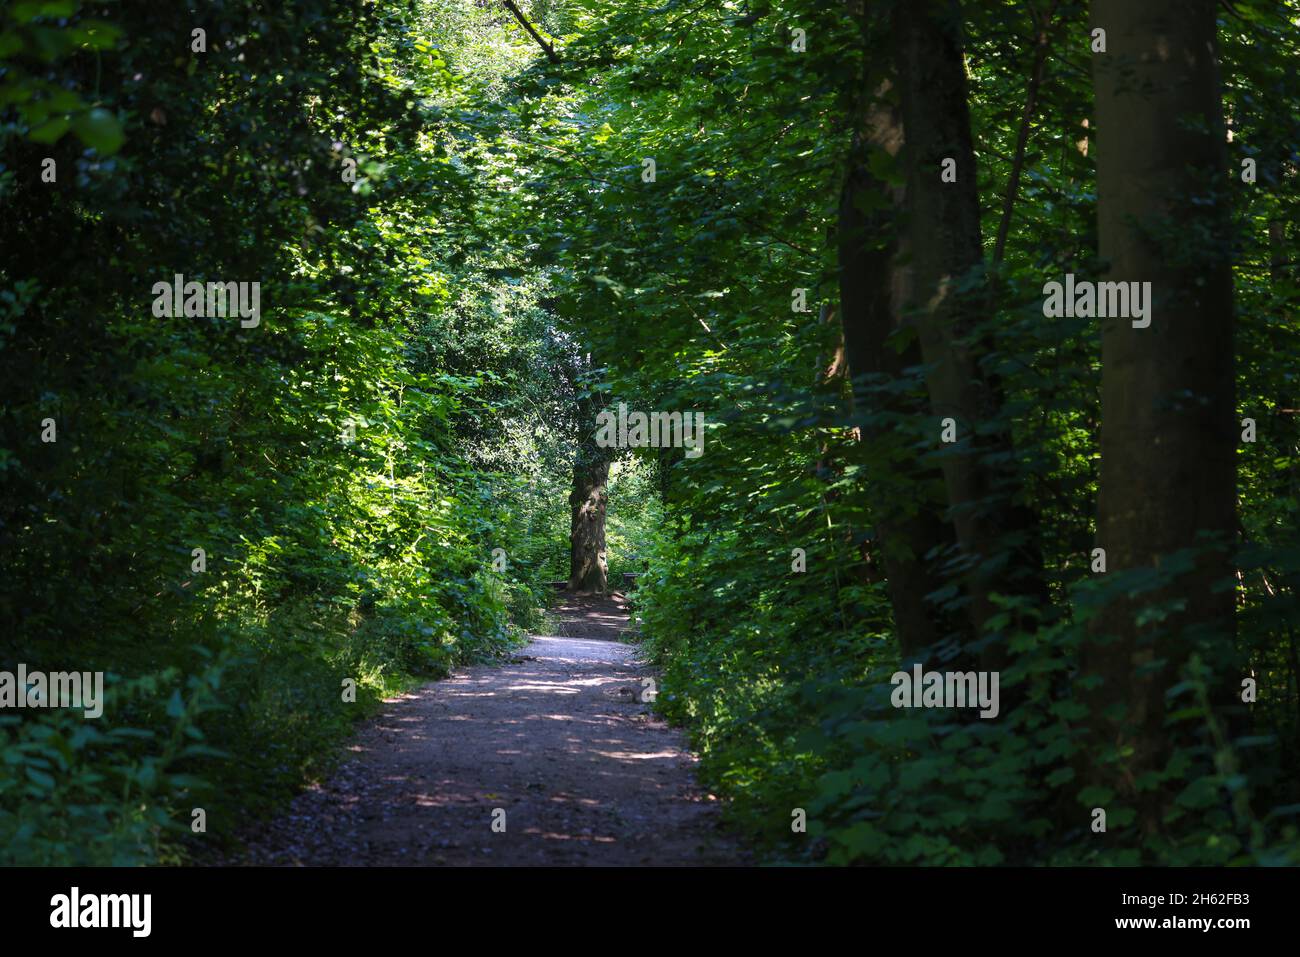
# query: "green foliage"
{"points": [[342, 464], [409, 403], [682, 289], [114, 792], [635, 516]]}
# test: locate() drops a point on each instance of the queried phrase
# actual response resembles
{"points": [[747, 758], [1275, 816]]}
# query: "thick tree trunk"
{"points": [[942, 290], [906, 502], [1168, 432], [587, 565]]}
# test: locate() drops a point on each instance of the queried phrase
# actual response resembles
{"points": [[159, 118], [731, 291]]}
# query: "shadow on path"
{"points": [[557, 738]]}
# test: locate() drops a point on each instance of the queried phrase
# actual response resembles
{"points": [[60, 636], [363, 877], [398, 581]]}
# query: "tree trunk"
{"points": [[943, 294], [1168, 433], [906, 502], [587, 502]]}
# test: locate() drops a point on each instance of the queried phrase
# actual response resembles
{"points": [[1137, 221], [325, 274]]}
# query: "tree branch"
{"points": [[550, 50], [1042, 29]]}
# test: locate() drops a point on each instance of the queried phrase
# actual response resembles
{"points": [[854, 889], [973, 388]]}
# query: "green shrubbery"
{"points": [[334, 464], [690, 287], [406, 407], [788, 714]]}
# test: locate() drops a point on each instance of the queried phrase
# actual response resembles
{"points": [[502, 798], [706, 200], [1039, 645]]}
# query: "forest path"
{"points": [[557, 737]]}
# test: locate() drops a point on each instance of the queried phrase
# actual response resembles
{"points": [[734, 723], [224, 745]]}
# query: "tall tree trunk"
{"points": [[943, 294], [587, 501], [1168, 433], [906, 502]]}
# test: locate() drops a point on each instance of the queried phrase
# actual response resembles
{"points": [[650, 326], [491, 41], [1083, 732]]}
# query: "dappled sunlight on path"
{"points": [[557, 737]]}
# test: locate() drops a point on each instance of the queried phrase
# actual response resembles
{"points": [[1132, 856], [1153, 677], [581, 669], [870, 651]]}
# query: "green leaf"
{"points": [[50, 130], [100, 130]]}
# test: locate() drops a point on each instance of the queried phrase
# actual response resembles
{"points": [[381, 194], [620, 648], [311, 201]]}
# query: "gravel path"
{"points": [[557, 738]]}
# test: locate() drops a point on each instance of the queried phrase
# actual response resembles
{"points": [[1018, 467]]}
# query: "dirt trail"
{"points": [[557, 737]]}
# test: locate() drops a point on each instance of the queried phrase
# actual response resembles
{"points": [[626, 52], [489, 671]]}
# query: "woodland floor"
{"points": [[556, 736]]}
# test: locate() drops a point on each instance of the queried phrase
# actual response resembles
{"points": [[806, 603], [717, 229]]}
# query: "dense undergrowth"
{"points": [[691, 281], [236, 520]]}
